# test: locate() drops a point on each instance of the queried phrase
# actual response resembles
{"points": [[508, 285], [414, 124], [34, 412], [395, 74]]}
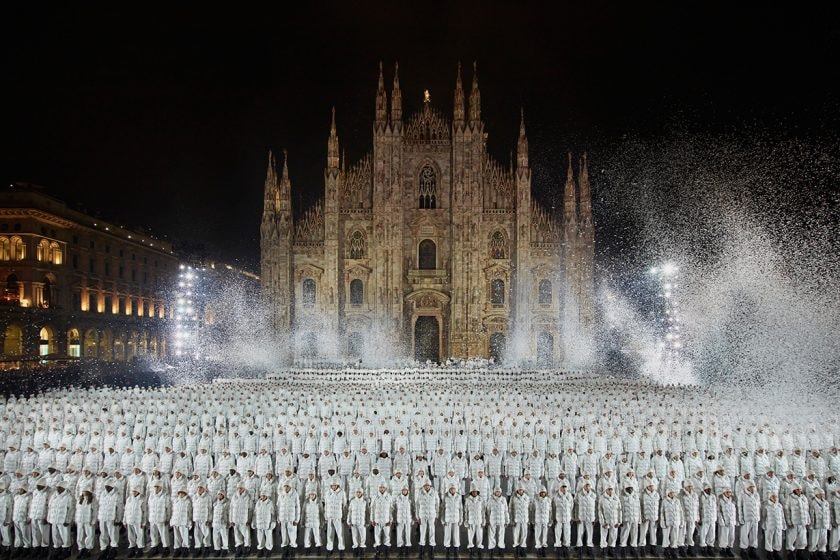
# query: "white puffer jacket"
{"points": [[609, 510], [288, 507], [672, 512]]}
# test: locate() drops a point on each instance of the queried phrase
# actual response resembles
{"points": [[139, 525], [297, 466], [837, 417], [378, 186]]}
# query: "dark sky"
{"points": [[162, 119]]}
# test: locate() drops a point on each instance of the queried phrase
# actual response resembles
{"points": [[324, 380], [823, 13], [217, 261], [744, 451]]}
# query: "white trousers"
{"points": [[451, 535], [359, 534], [726, 536], [773, 539], [819, 540], [475, 536], [403, 534], [520, 535], [159, 535], [427, 529], [630, 532], [496, 536], [85, 536], [707, 534], [834, 540], [335, 529], [265, 539], [584, 527], [670, 537], [609, 535], [381, 535], [135, 534], [288, 533], [749, 535], [202, 535], [40, 532], [6, 535], [563, 534], [60, 536], [23, 537], [688, 534], [220, 538], [109, 534], [647, 533], [241, 535], [540, 535], [180, 537], [309, 533], [797, 537]]}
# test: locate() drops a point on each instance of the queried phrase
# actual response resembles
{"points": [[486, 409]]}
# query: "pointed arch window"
{"points": [[428, 188], [357, 245], [545, 292], [497, 292], [498, 246], [308, 293]]}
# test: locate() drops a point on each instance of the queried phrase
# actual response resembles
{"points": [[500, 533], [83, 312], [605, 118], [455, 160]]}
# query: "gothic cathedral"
{"points": [[427, 247]]}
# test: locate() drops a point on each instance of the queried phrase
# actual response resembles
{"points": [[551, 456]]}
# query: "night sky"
{"points": [[163, 119]]}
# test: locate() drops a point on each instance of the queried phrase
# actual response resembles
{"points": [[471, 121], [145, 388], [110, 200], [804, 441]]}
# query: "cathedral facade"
{"points": [[427, 247]]}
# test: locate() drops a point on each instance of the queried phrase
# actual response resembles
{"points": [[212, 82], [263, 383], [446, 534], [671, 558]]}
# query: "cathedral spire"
{"points": [[522, 144], [284, 198], [332, 145], [284, 176], [475, 98], [569, 201], [271, 192], [585, 192], [396, 97], [381, 100], [459, 99]]}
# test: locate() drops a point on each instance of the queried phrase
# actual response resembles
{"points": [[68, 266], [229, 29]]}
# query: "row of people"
{"points": [[678, 520]]}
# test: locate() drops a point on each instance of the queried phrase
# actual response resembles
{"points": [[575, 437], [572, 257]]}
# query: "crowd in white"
{"points": [[255, 466]]}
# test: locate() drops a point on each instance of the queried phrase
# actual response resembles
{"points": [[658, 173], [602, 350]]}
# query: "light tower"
{"points": [[188, 322], [668, 316]]}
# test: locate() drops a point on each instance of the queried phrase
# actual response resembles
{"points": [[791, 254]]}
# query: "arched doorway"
{"points": [[46, 343], [13, 342], [131, 350], [497, 346], [74, 344], [354, 344], [119, 347], [427, 339], [106, 346], [47, 295], [91, 343], [545, 349], [309, 346], [12, 289]]}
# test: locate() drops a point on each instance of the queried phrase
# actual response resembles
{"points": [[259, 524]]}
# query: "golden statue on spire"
{"points": [[427, 97]]}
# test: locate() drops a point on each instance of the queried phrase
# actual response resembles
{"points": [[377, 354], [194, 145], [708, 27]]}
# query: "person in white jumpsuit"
{"points": [[357, 519], [221, 523], [334, 503]]}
